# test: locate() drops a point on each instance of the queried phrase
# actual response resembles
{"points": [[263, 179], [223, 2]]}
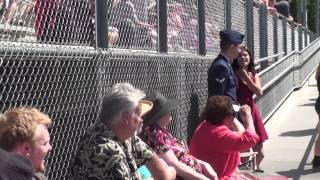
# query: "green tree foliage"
{"points": [[311, 12]]}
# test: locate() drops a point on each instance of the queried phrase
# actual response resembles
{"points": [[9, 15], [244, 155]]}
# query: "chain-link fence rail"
{"points": [[133, 24], [51, 21], [290, 73], [51, 63], [68, 85]]}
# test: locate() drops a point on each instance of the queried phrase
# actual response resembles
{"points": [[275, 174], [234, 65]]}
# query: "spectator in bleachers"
{"points": [[110, 148], [215, 142], [316, 158], [14, 166], [25, 132], [175, 25], [269, 3], [26, 13], [45, 19], [173, 152], [283, 7], [10, 10], [249, 84], [123, 16], [153, 20], [63, 21]]}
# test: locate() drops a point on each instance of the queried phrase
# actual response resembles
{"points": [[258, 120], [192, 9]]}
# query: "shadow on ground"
{"points": [[305, 132], [307, 104], [296, 174]]}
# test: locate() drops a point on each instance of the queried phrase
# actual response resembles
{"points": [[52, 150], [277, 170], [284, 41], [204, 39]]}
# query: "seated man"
{"points": [[110, 149], [215, 143]]}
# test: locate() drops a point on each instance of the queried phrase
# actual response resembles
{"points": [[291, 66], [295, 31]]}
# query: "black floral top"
{"points": [[102, 156]]}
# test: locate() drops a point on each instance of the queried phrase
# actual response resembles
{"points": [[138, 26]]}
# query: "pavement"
{"points": [[292, 132]]}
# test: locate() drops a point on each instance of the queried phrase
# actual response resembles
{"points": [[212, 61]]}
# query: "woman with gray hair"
{"points": [[110, 149]]}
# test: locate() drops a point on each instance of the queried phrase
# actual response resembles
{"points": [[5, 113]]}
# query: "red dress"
{"points": [[222, 153], [246, 97]]}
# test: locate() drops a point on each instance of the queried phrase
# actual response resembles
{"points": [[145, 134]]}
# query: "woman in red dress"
{"points": [[249, 84]]}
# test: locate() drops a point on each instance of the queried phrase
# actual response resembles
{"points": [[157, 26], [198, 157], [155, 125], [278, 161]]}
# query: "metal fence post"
{"points": [[228, 4], [306, 31], [162, 26], [275, 36], [101, 24], [304, 13], [317, 23], [299, 11], [249, 25], [202, 27], [263, 13], [293, 37], [285, 39], [300, 37]]}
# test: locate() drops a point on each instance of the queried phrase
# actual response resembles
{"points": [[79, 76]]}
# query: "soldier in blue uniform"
{"points": [[221, 77]]}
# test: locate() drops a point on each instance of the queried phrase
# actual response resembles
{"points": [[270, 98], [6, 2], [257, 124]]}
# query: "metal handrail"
{"points": [[269, 57]]}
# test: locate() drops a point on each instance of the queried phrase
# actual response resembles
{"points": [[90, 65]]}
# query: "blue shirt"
{"points": [[222, 80]]}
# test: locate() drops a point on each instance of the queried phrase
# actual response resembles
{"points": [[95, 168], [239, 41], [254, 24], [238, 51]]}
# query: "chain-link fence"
{"points": [[48, 60]]}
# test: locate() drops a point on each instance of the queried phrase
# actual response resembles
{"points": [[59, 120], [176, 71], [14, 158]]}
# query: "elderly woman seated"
{"points": [[173, 152], [215, 142], [25, 132]]}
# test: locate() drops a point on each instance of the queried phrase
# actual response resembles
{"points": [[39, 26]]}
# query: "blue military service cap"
{"points": [[231, 36]]}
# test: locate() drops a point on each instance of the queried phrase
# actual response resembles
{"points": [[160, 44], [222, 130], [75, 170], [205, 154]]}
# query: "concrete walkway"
{"points": [[292, 132]]}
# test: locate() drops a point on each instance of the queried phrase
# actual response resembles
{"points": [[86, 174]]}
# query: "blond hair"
{"points": [[18, 125]]}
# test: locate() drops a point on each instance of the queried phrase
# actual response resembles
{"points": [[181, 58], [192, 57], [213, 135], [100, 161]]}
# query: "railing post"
{"points": [[162, 26], [228, 4], [101, 24], [306, 31], [202, 27], [249, 25], [263, 13], [285, 43], [275, 36], [300, 37], [299, 11], [293, 37], [317, 23], [304, 13]]}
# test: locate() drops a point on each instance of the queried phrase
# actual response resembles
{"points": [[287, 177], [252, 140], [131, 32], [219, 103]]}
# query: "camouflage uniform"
{"points": [[102, 156]]}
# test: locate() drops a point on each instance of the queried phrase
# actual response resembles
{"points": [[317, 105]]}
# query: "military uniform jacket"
{"points": [[101, 156], [222, 79]]}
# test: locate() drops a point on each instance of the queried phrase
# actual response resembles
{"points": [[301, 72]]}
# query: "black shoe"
{"points": [[316, 163], [259, 171], [316, 167]]}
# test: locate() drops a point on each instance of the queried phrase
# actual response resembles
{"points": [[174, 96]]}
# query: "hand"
{"points": [[244, 75], [245, 113], [272, 11], [171, 173], [208, 170]]}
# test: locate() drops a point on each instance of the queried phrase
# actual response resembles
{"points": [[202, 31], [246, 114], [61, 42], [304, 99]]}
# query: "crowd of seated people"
{"points": [[112, 149]]}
